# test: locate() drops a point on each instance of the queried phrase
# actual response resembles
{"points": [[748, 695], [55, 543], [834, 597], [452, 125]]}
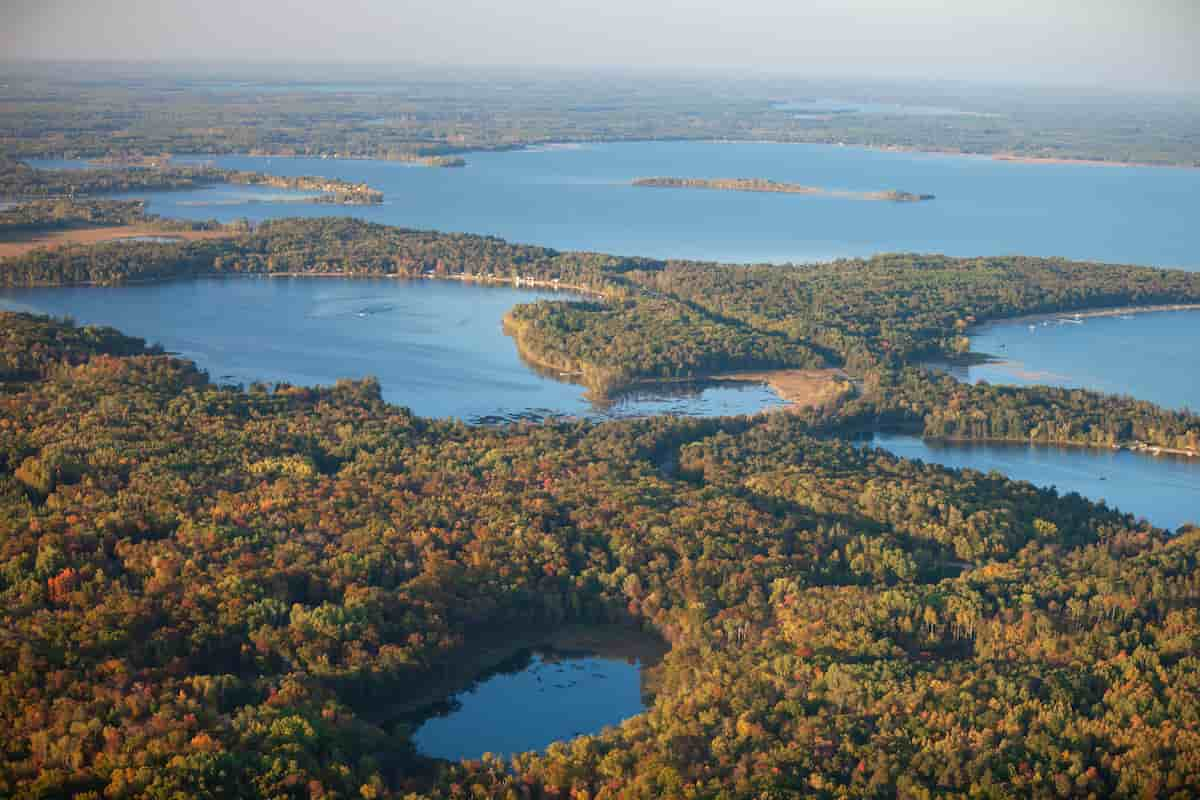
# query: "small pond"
{"points": [[572, 682]]}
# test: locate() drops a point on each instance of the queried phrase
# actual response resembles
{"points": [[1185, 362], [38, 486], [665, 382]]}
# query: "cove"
{"points": [[1164, 490], [1151, 356], [581, 198], [436, 346], [574, 681]]}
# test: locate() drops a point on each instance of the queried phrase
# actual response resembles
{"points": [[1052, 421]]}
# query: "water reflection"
{"points": [[1164, 490], [437, 347], [1151, 356], [574, 682]]}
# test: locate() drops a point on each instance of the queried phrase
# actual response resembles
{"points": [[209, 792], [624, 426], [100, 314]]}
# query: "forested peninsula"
{"points": [[766, 185], [680, 320], [20, 181]]}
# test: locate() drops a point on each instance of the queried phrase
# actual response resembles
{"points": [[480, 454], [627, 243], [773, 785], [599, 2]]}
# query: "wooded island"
{"points": [[765, 185]]}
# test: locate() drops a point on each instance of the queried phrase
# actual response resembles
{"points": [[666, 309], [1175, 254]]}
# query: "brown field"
{"points": [[19, 243], [800, 388]]}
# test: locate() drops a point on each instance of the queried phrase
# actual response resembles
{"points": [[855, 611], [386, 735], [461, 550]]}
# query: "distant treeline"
{"points": [[414, 118]]}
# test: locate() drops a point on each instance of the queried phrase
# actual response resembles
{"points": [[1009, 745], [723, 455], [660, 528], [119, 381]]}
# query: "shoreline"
{"points": [[518, 283], [1107, 311], [1139, 448], [797, 389], [486, 653], [911, 149], [1142, 448]]}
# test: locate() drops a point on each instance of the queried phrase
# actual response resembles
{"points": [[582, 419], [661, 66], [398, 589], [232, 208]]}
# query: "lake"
{"points": [[1153, 357], [1162, 489], [436, 346], [574, 682], [579, 197]]}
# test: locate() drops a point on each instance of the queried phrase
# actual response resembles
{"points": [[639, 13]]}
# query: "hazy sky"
{"points": [[1125, 43]]}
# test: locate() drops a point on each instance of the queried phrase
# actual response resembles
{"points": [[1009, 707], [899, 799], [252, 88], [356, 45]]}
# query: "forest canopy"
{"points": [[210, 591], [206, 590]]}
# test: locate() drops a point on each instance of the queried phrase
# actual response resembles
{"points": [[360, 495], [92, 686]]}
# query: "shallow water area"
{"points": [[1165, 490]]}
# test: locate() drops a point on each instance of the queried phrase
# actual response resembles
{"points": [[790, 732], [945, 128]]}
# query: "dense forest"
{"points": [[43, 215], [900, 307], [207, 591], [612, 346]]}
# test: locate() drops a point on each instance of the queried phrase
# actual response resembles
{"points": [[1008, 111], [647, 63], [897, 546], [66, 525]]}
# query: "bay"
{"points": [[1165, 490], [580, 197], [1150, 356], [436, 346]]}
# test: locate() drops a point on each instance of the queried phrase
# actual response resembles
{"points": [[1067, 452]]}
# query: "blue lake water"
{"points": [[580, 198], [547, 699], [436, 346], [1153, 357], [1162, 489]]}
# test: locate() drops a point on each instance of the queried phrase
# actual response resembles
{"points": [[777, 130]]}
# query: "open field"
{"points": [[21, 242], [800, 388]]}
